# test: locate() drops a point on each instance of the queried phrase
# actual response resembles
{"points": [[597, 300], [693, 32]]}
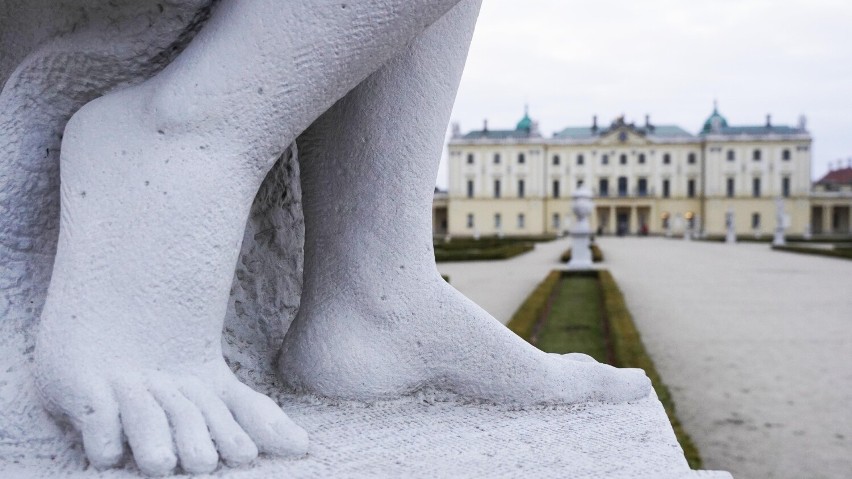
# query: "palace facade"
{"points": [[647, 178]]}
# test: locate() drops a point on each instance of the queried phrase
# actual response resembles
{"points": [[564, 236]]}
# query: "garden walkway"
{"points": [[755, 345]]}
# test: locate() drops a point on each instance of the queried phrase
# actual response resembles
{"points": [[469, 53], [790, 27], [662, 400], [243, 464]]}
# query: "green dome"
{"points": [[526, 122], [715, 122]]}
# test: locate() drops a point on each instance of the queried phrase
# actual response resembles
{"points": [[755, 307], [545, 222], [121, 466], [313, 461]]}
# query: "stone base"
{"points": [[435, 436]]}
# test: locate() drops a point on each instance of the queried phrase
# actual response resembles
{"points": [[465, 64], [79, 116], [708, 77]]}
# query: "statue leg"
{"points": [[376, 319], [156, 185]]}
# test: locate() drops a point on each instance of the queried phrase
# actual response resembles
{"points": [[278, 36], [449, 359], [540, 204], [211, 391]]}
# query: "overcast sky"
{"points": [[571, 59]]}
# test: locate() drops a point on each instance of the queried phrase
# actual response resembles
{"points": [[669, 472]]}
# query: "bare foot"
{"points": [[130, 337], [393, 340]]}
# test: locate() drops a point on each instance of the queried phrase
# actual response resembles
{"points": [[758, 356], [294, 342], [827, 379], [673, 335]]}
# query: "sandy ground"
{"points": [[756, 345]]}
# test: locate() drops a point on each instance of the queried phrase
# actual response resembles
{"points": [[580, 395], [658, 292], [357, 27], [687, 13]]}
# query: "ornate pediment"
{"points": [[623, 133]]}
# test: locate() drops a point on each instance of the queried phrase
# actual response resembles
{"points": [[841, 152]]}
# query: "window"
{"points": [[556, 188], [622, 159], [605, 159], [497, 221], [496, 158], [496, 188], [755, 221], [690, 158], [470, 220], [622, 186], [521, 221], [555, 220], [785, 186], [729, 187], [755, 187], [667, 158], [521, 158], [521, 186], [603, 186], [579, 183], [785, 155], [470, 158], [641, 158], [470, 188], [731, 155], [642, 187], [580, 159], [690, 188], [755, 155], [555, 160], [666, 189]]}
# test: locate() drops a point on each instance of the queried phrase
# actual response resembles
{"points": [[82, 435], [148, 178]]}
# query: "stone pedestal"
{"points": [[581, 253]]}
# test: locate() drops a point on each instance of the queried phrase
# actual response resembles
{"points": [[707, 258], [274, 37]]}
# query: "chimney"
{"points": [[768, 121], [485, 124], [803, 122], [647, 121], [594, 123], [456, 129]]}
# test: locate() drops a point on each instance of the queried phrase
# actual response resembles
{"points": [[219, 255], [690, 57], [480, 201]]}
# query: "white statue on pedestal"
{"points": [[175, 140], [581, 252], [730, 227], [781, 221]]}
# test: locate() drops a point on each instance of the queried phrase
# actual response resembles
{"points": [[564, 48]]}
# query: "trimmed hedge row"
{"points": [[625, 341], [843, 253], [597, 254], [481, 254]]}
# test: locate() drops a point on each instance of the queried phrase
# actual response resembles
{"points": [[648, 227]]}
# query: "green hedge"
{"points": [[505, 251], [597, 254], [630, 353], [842, 252]]}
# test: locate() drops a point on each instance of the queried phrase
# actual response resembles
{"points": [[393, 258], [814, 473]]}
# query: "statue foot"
{"points": [[403, 336], [191, 415], [129, 344]]}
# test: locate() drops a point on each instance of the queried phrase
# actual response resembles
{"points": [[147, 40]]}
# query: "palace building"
{"points": [[645, 178]]}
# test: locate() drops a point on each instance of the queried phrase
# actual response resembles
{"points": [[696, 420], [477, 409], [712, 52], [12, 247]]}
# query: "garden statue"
{"points": [[137, 140], [581, 252], [780, 223], [730, 227]]}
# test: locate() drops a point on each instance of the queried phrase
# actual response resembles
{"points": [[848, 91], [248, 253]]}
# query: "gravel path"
{"points": [[755, 345]]}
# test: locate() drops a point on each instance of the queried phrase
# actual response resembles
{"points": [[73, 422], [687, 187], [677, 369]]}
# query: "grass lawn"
{"points": [[575, 322]]}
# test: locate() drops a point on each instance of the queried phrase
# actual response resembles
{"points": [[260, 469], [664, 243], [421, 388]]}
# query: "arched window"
{"points": [[496, 158], [755, 155], [731, 155], [555, 160], [622, 159], [667, 158], [785, 155], [470, 158], [641, 158], [580, 159], [522, 158], [690, 158]]}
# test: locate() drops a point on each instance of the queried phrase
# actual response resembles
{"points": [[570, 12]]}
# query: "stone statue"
{"points": [[730, 227], [149, 149], [781, 221], [581, 253]]}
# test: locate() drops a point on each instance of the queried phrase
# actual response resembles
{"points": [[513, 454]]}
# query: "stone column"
{"points": [[582, 206]]}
